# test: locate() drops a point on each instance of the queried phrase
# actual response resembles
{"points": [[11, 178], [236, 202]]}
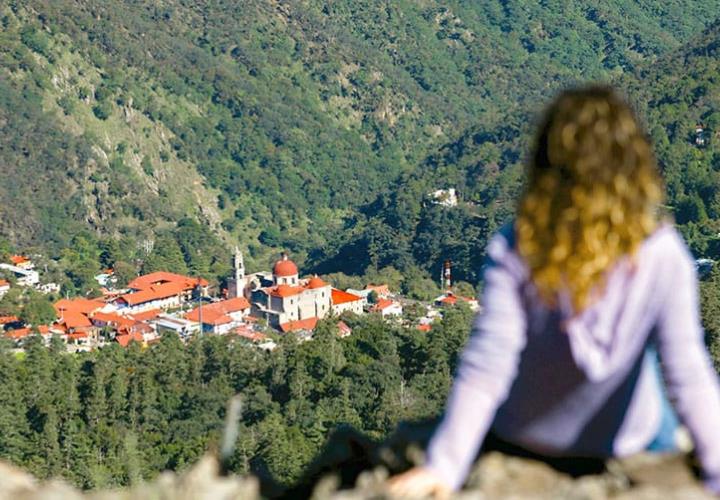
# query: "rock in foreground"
{"points": [[642, 477]]}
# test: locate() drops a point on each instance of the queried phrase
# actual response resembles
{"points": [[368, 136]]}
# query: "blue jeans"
{"points": [[664, 440]]}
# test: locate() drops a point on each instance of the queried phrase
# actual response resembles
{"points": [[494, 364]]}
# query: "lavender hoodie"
{"points": [[580, 385]]}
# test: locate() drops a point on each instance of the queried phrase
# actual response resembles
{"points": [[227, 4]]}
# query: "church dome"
{"points": [[285, 267], [316, 282]]}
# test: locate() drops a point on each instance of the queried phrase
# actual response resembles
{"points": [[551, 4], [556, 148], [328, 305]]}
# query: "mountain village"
{"points": [[255, 307]]}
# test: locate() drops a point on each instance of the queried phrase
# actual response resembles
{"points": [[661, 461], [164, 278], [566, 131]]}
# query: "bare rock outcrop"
{"points": [[352, 467]]}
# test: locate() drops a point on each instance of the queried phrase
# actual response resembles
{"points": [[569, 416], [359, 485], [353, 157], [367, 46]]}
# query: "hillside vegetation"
{"points": [[271, 123]]}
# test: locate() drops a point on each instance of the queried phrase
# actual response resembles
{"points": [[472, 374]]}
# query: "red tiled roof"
{"points": [[160, 277], [137, 327], [155, 292], [424, 328], [250, 334], [217, 312], [73, 320], [146, 315], [112, 319], [315, 283], [18, 259], [452, 299], [382, 304], [4, 283], [77, 335], [340, 297], [44, 329], [18, 333], [301, 324], [285, 267], [286, 290], [4, 320], [79, 305], [125, 339], [344, 329]]}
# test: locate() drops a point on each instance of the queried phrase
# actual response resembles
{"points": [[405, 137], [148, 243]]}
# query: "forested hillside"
{"points": [[115, 416], [272, 124]]}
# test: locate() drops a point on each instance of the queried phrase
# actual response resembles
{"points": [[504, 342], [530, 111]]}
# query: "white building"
{"points": [[387, 307], [25, 277], [444, 197]]}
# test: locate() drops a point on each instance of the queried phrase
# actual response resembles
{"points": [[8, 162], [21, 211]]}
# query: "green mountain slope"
{"points": [[673, 94], [269, 122]]}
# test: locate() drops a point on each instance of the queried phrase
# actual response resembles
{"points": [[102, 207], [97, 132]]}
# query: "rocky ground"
{"points": [[496, 476]]}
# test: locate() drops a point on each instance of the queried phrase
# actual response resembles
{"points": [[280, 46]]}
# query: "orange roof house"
{"points": [[162, 277], [219, 313], [450, 299], [340, 297], [4, 320], [160, 286], [387, 307], [18, 333], [250, 334], [21, 261], [125, 339], [78, 305], [343, 329], [298, 325], [146, 315]]}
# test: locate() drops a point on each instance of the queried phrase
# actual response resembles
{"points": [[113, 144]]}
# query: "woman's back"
{"points": [[585, 384], [582, 385], [581, 293]]}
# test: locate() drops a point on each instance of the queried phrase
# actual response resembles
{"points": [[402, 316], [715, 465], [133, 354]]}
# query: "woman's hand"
{"points": [[418, 482]]}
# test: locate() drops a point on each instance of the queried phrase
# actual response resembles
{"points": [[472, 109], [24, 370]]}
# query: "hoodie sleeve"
{"points": [[690, 377], [487, 367]]}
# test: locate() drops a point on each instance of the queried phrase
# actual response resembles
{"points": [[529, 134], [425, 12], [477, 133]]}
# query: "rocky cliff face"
{"points": [[496, 476]]}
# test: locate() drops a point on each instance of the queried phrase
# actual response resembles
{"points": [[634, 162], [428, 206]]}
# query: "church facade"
{"points": [[286, 301]]}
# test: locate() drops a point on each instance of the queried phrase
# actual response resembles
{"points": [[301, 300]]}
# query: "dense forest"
{"points": [[117, 415], [143, 136]]}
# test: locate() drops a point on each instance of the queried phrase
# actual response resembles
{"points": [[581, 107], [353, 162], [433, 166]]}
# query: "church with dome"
{"points": [[288, 302]]}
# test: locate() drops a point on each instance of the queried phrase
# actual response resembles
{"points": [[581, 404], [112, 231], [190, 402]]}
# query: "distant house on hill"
{"points": [[25, 276], [22, 262], [4, 287], [346, 302], [450, 299], [343, 329], [387, 307], [444, 197]]}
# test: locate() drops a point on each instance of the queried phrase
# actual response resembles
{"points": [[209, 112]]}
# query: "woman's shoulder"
{"points": [[501, 251], [666, 246]]}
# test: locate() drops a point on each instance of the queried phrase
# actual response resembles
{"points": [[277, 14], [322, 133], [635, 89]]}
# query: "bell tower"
{"points": [[236, 286]]}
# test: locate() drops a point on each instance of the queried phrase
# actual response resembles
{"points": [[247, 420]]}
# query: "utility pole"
{"points": [[199, 289]]}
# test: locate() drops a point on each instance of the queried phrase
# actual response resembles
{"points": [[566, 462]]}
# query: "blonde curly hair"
{"points": [[592, 194]]}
